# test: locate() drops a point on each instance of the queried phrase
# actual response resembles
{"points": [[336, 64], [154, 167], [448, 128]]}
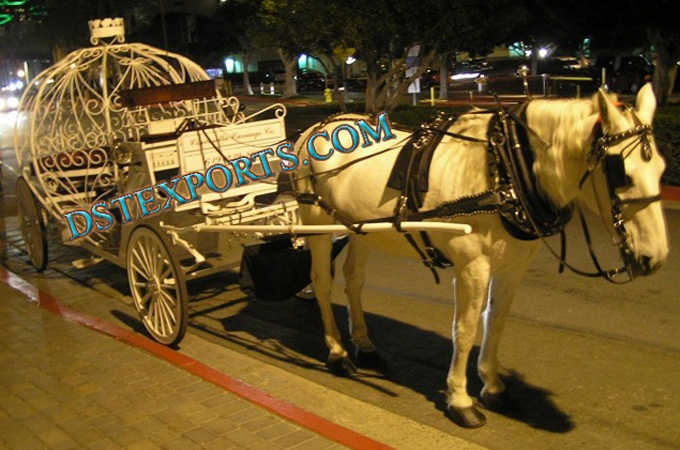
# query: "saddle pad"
{"points": [[415, 160]]}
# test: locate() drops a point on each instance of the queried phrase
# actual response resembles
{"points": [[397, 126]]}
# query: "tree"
{"points": [[660, 19], [385, 32], [282, 24], [615, 25], [382, 32], [229, 32], [65, 27]]}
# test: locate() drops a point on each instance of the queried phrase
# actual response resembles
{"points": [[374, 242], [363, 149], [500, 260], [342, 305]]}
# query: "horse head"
{"points": [[625, 169]]}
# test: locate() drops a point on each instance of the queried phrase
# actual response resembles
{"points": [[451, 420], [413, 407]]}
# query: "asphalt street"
{"points": [[588, 363]]}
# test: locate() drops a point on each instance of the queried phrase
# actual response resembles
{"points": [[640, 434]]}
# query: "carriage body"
{"points": [[109, 121]]}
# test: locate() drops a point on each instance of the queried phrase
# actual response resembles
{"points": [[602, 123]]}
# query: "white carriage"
{"points": [[133, 155], [108, 141]]}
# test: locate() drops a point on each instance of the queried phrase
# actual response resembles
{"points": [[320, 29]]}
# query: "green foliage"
{"points": [[666, 126]]}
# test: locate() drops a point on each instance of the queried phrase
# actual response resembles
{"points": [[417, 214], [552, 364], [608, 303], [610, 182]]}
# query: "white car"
{"points": [[8, 101]]}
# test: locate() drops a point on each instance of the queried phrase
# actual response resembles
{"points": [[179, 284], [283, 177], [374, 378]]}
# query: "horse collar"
{"points": [[524, 211]]}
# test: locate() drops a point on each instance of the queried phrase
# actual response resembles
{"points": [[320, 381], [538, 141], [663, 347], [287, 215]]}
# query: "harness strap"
{"points": [[641, 200], [427, 261]]}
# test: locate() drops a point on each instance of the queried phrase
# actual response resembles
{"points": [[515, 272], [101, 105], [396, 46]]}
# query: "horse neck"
{"points": [[563, 135]]}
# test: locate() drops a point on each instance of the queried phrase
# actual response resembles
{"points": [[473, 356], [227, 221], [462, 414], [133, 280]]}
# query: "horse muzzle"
{"points": [[644, 266], [634, 267]]}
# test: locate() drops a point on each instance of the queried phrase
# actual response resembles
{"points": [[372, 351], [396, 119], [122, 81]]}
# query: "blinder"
{"points": [[615, 173]]}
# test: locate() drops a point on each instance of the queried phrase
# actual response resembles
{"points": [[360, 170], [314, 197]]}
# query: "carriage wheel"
{"points": [[158, 286], [32, 224]]}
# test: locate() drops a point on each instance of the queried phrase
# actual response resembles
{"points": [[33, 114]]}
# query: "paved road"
{"points": [[590, 364]]}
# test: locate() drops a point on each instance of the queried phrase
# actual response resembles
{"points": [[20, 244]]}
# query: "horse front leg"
{"points": [[355, 275], [501, 294], [338, 360], [503, 288], [470, 289]]}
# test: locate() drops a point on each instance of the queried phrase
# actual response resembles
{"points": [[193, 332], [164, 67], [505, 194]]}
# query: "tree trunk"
{"points": [[444, 77], [246, 76], [385, 92], [372, 89], [290, 64], [671, 79], [667, 54]]}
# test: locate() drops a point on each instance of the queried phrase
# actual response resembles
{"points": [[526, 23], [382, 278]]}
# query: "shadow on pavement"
{"points": [[291, 333]]}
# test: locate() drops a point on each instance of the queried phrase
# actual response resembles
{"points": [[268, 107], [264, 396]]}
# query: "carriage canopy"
{"points": [[74, 113]]}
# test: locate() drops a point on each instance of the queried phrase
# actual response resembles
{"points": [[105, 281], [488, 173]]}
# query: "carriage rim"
{"points": [[32, 224], [157, 285]]}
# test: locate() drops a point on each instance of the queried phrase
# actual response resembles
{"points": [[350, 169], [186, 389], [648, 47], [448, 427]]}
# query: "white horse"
{"points": [[571, 141]]}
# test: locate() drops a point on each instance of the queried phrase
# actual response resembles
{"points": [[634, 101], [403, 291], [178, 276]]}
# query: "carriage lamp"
{"points": [[122, 154]]}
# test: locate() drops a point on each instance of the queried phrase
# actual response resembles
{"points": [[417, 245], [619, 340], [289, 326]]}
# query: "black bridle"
{"points": [[613, 167]]}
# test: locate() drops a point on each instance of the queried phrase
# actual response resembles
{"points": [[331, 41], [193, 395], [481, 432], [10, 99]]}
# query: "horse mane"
{"points": [[562, 133]]}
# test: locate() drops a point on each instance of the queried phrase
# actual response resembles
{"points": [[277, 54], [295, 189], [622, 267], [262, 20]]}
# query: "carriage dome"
{"points": [[74, 114]]}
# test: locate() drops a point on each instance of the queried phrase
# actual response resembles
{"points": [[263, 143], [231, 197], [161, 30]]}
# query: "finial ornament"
{"points": [[111, 30]]}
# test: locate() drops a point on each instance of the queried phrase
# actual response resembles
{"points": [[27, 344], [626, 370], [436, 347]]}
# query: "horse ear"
{"points": [[646, 103], [608, 111]]}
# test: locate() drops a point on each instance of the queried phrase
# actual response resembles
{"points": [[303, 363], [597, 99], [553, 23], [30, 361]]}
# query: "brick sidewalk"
{"points": [[63, 385]]}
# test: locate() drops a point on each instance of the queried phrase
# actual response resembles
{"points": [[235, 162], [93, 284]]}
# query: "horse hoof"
{"points": [[469, 417], [495, 402], [371, 360], [341, 366]]}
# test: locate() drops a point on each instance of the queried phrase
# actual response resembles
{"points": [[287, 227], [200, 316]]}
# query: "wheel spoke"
{"points": [[166, 321], [142, 273], [153, 307], [138, 260], [144, 255], [169, 300], [160, 313], [167, 275], [145, 299]]}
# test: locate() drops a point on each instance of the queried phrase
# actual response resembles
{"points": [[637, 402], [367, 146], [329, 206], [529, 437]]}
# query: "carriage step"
{"points": [[86, 262]]}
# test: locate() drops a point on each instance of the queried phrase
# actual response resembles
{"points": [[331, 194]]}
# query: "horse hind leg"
{"points": [[338, 360], [470, 287], [354, 271]]}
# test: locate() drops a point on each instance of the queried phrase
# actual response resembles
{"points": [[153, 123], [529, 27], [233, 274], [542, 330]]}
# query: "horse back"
{"points": [[352, 174]]}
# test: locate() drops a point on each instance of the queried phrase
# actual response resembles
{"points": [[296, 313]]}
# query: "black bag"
{"points": [[276, 271]]}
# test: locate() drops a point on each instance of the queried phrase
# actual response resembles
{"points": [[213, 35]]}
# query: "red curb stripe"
{"points": [[315, 423], [671, 193]]}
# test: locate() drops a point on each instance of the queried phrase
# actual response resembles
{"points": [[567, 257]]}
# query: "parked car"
{"points": [[625, 74], [431, 77], [503, 76], [310, 80], [9, 100]]}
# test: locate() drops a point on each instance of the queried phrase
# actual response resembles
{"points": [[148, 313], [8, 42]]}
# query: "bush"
{"points": [[666, 126]]}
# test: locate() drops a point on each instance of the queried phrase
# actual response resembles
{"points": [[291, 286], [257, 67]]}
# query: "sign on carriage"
{"points": [[241, 155]]}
